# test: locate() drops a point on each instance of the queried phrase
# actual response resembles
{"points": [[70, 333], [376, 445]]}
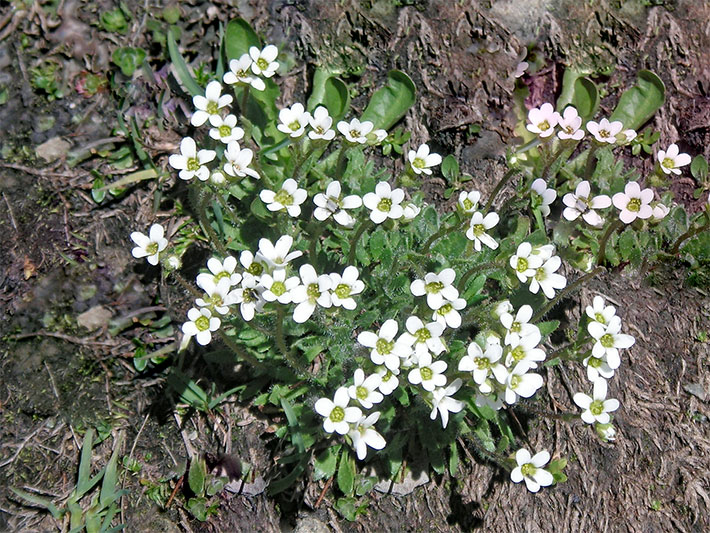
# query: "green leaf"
{"points": [[181, 67], [39, 502], [378, 243], [83, 482], [628, 244], [296, 436], [198, 508], [325, 463], [640, 102], [580, 92], [128, 59], [109, 488], [331, 92], [546, 328], [239, 37], [196, 476], [98, 193], [453, 459], [699, 168], [346, 474], [450, 168], [391, 102]]}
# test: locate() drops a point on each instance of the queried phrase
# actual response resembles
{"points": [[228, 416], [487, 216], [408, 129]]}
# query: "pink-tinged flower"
{"points": [[633, 202], [570, 125], [543, 120], [579, 203], [605, 131], [671, 160]]}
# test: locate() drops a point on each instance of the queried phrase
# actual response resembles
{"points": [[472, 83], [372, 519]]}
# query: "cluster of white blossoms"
{"points": [[479, 224], [604, 327], [538, 265]]}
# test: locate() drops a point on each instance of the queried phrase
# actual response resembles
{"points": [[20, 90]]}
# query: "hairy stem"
{"points": [[615, 225], [364, 225], [315, 237], [692, 232], [499, 186], [443, 231], [474, 269], [281, 342], [566, 292]]}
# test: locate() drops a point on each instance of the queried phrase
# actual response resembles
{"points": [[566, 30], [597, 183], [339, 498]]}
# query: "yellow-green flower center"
{"points": [[634, 204], [604, 134], [152, 248], [468, 204], [337, 414], [515, 381], [248, 295], [434, 287], [522, 265], [518, 353], [383, 346], [515, 327], [422, 335], [668, 163], [528, 469], [483, 363], [596, 407], [388, 375], [262, 63], [444, 309], [342, 291], [212, 107], [479, 229], [283, 198], [544, 125], [361, 392], [313, 291], [225, 131], [418, 163], [385, 204], [255, 269], [599, 318], [594, 362], [193, 164], [426, 373], [278, 288], [202, 323], [607, 340], [295, 125], [540, 274], [220, 275]]}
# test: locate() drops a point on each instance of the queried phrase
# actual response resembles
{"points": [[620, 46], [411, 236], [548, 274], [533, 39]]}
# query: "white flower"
{"points": [[492, 400], [264, 61], [217, 295], [190, 162], [609, 341], [375, 137], [277, 255], [443, 403], [384, 203], [364, 390], [478, 227], [248, 296], [355, 131], [289, 197], [321, 122], [599, 312], [384, 348], [448, 314], [389, 380], [530, 469], [208, 106], [660, 211], [524, 262], [597, 407], [547, 279], [338, 416], [428, 374], [605, 131], [468, 200], [545, 196], [438, 288], [223, 270], [314, 290], [238, 161], [625, 137], [294, 120], [410, 211], [423, 338], [502, 307], [543, 120], [218, 178], [333, 203], [519, 383], [570, 125], [149, 245], [239, 72], [422, 160], [363, 435], [544, 251], [578, 203], [253, 266], [278, 288], [524, 353], [482, 363], [225, 129], [201, 324], [597, 368], [671, 159], [345, 287], [606, 432], [633, 203], [518, 326]]}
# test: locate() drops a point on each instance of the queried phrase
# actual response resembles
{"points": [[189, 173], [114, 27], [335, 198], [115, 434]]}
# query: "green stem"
{"points": [[185, 285], [591, 161], [443, 231], [340, 165], [306, 157], [692, 232], [555, 156], [245, 97], [226, 206], [499, 186], [474, 269], [315, 237], [281, 342], [206, 227], [566, 292], [615, 225], [241, 352], [364, 225], [566, 417]]}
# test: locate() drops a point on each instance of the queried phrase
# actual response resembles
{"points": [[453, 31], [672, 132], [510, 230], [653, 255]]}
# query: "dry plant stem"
{"points": [[364, 225], [499, 187], [607, 234], [566, 292], [692, 232]]}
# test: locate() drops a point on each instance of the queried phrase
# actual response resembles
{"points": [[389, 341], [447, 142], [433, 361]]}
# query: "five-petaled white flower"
{"points": [[519, 383], [190, 162], [448, 314], [338, 416], [217, 295], [428, 374], [543, 120], [609, 341], [384, 203], [524, 262], [443, 403], [239, 72], [671, 160], [524, 352], [277, 255], [208, 106], [597, 368], [264, 61], [597, 407], [332, 203], [600, 312], [223, 269], [570, 125], [345, 287], [633, 203], [314, 289], [477, 230], [438, 288], [579, 203], [364, 390], [321, 123], [547, 278], [248, 296], [542, 196], [518, 326], [277, 287], [238, 161], [355, 131], [424, 338], [468, 200], [390, 381], [149, 245], [482, 363], [294, 120], [530, 469], [289, 197], [201, 324], [225, 129], [363, 435], [385, 350], [422, 160], [605, 131]]}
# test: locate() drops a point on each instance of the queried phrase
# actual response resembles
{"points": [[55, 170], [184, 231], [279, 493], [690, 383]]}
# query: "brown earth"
{"points": [[64, 255]]}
